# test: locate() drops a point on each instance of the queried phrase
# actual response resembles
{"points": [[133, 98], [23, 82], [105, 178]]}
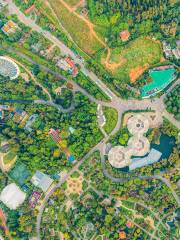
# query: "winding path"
{"points": [[32, 77], [119, 104]]}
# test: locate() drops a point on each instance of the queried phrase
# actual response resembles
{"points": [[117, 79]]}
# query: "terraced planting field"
{"points": [[81, 31], [127, 63]]}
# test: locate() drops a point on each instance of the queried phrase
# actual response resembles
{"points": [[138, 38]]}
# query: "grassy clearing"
{"points": [[9, 157], [111, 116], [135, 57], [77, 28]]}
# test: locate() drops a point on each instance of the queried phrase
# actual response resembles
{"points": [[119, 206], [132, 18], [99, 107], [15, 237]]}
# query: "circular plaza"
{"points": [[8, 68]]}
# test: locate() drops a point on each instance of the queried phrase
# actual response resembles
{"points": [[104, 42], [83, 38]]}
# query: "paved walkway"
{"points": [[156, 104], [119, 104]]}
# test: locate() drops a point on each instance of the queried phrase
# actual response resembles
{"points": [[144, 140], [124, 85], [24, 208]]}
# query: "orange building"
{"points": [[129, 224], [122, 235], [9, 27], [124, 35], [30, 9]]}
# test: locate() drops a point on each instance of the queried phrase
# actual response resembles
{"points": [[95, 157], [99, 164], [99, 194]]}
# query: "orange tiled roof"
{"points": [[11, 24], [6, 28], [129, 224], [122, 235], [30, 9], [124, 35]]}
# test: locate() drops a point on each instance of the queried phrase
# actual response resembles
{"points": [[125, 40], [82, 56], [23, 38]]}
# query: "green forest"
{"points": [[139, 17], [172, 101]]}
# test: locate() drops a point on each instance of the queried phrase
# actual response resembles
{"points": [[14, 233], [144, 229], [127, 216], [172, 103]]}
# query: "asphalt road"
{"points": [[119, 104]]}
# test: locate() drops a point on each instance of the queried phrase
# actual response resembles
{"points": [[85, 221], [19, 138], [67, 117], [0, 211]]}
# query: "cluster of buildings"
{"points": [[171, 52], [13, 196], [41, 181], [29, 123], [134, 155], [20, 117], [50, 52], [9, 28], [68, 65]]}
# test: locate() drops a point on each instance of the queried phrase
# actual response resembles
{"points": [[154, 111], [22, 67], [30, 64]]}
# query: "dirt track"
{"points": [[110, 66]]}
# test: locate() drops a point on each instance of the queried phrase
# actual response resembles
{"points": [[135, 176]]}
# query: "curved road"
{"points": [[159, 177], [119, 104]]}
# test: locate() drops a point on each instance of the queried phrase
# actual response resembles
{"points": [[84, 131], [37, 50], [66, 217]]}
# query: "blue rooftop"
{"points": [[71, 158]]}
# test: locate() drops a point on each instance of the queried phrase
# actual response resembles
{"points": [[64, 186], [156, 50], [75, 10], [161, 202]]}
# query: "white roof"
{"points": [[119, 156], [140, 145], [12, 196], [42, 181], [8, 68], [138, 124]]}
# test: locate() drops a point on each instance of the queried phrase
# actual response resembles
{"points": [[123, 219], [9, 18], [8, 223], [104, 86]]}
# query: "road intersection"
{"points": [[121, 105]]}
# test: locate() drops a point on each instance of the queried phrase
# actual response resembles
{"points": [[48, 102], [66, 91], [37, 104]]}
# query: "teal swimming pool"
{"points": [[161, 78]]}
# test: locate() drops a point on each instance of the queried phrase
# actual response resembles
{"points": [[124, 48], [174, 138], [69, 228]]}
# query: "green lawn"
{"points": [[9, 157], [137, 54], [111, 116]]}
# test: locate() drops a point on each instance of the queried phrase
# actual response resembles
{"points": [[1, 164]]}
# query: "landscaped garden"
{"points": [[89, 215], [111, 116]]}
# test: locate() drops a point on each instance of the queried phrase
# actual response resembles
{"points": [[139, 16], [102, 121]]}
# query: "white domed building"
{"points": [[140, 145], [119, 156], [138, 124], [8, 68]]}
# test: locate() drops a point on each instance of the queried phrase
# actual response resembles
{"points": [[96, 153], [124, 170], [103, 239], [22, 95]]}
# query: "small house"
{"points": [[124, 35]]}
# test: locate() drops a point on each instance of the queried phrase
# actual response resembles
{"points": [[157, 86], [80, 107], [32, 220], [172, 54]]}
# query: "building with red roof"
{"points": [[124, 35], [30, 9], [122, 235]]}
